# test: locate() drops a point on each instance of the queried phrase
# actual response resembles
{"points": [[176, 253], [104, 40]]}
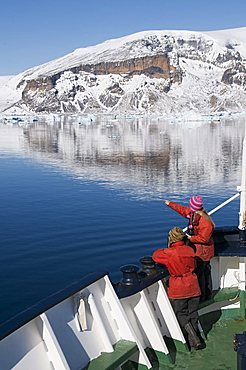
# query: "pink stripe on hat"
{"points": [[195, 203]]}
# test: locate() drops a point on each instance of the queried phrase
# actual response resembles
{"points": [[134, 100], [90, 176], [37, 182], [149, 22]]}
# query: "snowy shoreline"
{"points": [[28, 118]]}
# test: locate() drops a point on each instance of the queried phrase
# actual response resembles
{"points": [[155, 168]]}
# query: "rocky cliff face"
{"points": [[156, 71], [47, 91], [236, 75]]}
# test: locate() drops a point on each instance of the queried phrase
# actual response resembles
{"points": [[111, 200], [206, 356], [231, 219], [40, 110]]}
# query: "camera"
{"points": [[190, 231]]}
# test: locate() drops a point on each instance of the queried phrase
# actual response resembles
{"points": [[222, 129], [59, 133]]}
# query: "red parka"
{"points": [[203, 229], [180, 262]]}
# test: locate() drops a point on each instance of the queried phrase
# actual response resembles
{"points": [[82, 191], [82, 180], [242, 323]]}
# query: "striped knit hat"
{"points": [[195, 203], [175, 235]]}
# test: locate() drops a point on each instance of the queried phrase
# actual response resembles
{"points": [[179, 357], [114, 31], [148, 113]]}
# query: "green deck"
{"points": [[110, 361], [219, 353]]}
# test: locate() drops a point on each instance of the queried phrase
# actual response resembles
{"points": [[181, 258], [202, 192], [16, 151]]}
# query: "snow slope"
{"points": [[131, 47]]}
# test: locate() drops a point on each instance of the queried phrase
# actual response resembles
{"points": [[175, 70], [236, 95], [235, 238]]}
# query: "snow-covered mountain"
{"points": [[151, 71]]}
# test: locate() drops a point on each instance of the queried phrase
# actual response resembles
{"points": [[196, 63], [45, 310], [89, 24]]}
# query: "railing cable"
{"points": [[224, 203]]}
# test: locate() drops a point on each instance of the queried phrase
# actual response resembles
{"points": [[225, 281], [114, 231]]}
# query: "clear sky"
{"points": [[33, 32]]}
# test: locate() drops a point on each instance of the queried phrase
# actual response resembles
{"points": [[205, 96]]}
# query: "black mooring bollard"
{"points": [[148, 266], [130, 275]]}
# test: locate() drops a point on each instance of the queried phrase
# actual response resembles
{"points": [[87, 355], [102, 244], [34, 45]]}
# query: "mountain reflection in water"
{"points": [[143, 156], [78, 196]]}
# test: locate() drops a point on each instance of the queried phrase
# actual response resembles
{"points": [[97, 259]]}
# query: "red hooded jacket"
{"points": [[180, 262], [203, 229]]}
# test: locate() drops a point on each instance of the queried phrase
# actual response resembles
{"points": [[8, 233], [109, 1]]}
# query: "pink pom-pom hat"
{"points": [[195, 203]]}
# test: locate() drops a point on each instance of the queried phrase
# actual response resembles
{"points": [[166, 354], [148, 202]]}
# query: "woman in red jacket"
{"points": [[199, 233], [183, 290]]}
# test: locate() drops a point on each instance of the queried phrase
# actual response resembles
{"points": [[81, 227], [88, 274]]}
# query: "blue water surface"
{"points": [[94, 204]]}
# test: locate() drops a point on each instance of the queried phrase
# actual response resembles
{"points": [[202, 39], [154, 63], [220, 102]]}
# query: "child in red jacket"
{"points": [[199, 233]]}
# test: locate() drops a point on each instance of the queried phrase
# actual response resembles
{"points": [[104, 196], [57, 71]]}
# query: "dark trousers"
{"points": [[203, 271], [186, 311]]}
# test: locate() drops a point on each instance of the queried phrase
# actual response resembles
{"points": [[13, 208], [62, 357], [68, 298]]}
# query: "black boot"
{"points": [[193, 339]]}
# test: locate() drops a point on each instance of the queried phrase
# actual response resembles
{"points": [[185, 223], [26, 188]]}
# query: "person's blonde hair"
{"points": [[203, 213], [175, 235]]}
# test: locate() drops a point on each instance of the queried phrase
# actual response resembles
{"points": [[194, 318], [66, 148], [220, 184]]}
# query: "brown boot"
{"points": [[193, 339]]}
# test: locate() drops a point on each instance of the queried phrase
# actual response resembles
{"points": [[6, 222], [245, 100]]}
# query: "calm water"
{"points": [[79, 196]]}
